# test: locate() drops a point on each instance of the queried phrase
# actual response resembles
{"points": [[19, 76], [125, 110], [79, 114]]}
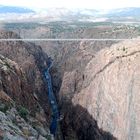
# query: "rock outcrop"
{"points": [[107, 90]]}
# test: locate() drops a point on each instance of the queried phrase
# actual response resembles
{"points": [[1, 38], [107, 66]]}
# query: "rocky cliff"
{"points": [[104, 96], [31, 60], [24, 110]]}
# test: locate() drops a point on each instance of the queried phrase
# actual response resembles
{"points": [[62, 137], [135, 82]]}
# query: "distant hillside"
{"points": [[125, 12], [13, 9], [64, 14]]}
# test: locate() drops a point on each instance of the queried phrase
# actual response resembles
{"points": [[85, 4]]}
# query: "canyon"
{"points": [[95, 83]]}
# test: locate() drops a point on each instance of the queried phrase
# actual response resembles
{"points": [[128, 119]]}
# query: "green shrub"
{"points": [[124, 48], [23, 112], [4, 108], [48, 137]]}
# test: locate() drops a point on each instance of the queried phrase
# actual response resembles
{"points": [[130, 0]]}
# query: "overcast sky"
{"points": [[94, 4]]}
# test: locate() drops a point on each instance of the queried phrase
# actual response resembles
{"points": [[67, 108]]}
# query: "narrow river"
{"points": [[52, 100]]}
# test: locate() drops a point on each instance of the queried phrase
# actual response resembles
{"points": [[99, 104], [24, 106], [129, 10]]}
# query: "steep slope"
{"points": [[22, 88], [32, 61], [107, 90], [16, 121]]}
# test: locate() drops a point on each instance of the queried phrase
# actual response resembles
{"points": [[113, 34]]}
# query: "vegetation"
{"points": [[23, 112], [22, 25], [4, 108], [56, 27], [48, 137], [124, 49]]}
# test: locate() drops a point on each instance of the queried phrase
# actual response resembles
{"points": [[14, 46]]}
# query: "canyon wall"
{"points": [[24, 108], [107, 90]]}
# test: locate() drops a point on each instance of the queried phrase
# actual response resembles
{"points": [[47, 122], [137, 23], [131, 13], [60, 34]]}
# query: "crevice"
{"points": [[111, 62]]}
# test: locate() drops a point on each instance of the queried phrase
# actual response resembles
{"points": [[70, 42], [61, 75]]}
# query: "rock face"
{"points": [[32, 61], [17, 122], [14, 84], [14, 127], [72, 55], [23, 98], [107, 90]]}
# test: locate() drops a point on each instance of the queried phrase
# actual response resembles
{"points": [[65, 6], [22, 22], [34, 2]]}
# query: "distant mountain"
{"points": [[64, 14], [131, 13], [124, 12], [13, 9], [49, 14], [120, 12]]}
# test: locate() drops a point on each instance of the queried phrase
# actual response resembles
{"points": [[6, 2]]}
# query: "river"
{"points": [[52, 101]]}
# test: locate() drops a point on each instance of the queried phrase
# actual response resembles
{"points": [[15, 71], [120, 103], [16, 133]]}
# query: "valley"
{"points": [[95, 83]]}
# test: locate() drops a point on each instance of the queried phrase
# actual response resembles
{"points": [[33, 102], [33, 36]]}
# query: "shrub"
{"points": [[4, 108], [124, 48], [23, 112]]}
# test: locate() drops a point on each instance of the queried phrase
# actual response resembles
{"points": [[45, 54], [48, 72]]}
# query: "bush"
{"points": [[23, 112], [124, 48], [48, 137], [4, 108]]}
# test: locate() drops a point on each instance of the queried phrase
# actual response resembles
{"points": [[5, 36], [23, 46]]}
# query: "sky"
{"points": [[91, 4]]}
